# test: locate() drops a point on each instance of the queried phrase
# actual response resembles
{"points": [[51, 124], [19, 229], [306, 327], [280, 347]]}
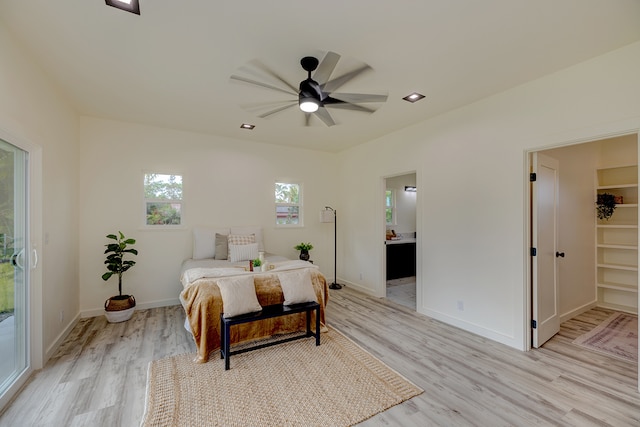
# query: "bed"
{"points": [[212, 262]]}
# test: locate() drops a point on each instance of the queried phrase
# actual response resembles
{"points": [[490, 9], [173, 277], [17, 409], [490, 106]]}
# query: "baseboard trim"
{"points": [[359, 288], [139, 306], [51, 350], [491, 334], [578, 311]]}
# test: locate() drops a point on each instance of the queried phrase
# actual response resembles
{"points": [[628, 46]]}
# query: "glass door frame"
{"points": [[33, 272]]}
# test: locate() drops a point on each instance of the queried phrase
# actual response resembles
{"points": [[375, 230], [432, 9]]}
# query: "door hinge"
{"points": [[532, 176], [534, 324], [534, 252]]}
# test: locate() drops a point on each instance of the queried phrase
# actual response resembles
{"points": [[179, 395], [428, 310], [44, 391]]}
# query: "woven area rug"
{"points": [[291, 384], [617, 337]]}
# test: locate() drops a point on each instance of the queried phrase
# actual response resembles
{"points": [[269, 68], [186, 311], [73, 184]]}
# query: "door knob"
{"points": [[559, 254]]}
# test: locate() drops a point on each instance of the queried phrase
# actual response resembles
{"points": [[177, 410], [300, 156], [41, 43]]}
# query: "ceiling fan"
{"points": [[316, 93]]}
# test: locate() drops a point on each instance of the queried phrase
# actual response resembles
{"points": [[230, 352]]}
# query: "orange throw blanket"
{"points": [[203, 304]]}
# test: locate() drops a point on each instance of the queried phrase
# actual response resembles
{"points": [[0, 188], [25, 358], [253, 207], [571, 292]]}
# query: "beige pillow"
{"points": [[222, 248], [238, 295], [255, 230], [297, 287], [243, 252], [239, 239]]}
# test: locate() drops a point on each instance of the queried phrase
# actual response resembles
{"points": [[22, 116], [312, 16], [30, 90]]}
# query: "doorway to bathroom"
{"points": [[400, 239]]}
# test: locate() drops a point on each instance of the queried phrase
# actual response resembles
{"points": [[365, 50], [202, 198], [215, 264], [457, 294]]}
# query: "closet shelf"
{"points": [[619, 287], [618, 266], [618, 246], [617, 240]]}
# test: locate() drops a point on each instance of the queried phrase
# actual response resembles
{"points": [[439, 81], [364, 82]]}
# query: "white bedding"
{"points": [[210, 263], [193, 269]]}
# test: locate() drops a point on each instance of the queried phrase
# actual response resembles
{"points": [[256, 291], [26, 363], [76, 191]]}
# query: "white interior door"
{"points": [[544, 211]]}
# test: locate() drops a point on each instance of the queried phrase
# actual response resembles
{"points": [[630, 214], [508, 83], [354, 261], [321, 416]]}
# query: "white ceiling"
{"points": [[171, 65]]}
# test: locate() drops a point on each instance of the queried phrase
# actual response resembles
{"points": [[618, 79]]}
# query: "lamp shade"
{"points": [[327, 215]]}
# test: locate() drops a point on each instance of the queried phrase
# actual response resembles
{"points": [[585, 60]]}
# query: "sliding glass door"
{"points": [[14, 265]]}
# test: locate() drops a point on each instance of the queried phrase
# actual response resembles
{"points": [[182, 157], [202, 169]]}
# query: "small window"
{"points": [[288, 198], [390, 206], [163, 199]]}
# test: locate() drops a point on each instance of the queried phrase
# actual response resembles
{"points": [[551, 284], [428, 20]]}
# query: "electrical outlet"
{"points": [[461, 305]]}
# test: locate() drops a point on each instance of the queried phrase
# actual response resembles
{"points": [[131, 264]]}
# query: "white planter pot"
{"points": [[119, 316]]}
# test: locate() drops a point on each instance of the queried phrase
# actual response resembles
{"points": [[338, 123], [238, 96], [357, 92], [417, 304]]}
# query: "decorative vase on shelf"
{"points": [[304, 254]]}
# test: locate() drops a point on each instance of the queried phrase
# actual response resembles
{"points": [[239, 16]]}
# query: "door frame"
{"points": [[383, 282], [619, 129], [35, 356]]}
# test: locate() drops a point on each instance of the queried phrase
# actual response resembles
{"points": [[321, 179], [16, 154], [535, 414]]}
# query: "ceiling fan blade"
{"points": [[265, 85], [349, 106], [324, 115], [336, 83], [277, 110], [263, 67], [356, 98], [326, 67], [345, 105], [254, 106]]}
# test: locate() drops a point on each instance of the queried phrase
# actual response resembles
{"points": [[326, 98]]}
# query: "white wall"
{"points": [[32, 110], [471, 169], [226, 182]]}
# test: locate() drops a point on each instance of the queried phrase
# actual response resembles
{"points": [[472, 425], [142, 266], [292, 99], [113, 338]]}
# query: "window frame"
{"points": [[392, 207], [299, 204], [145, 201]]}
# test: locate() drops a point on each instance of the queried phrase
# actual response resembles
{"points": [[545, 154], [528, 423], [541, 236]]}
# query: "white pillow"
{"points": [[239, 239], [238, 295], [297, 286], [204, 241], [243, 252], [257, 231]]}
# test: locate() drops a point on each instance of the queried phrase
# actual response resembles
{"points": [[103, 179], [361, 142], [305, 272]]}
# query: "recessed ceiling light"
{"points": [[413, 97], [247, 126], [128, 5]]}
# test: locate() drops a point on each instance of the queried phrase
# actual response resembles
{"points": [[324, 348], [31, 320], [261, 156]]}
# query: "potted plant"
{"points": [[605, 205], [257, 264], [304, 249], [119, 308]]}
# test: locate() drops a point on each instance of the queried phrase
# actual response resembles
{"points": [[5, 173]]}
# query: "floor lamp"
{"points": [[329, 215]]}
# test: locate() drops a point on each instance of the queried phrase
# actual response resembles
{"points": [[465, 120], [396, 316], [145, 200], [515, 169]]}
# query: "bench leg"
{"points": [[221, 337], [317, 327], [227, 345]]}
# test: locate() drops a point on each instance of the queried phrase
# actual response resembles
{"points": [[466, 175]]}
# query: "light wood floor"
{"points": [[98, 376]]}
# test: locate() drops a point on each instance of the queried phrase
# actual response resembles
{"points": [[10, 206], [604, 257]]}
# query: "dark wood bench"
{"points": [[267, 312]]}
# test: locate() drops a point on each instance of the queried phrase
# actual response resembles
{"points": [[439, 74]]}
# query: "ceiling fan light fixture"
{"points": [[309, 104]]}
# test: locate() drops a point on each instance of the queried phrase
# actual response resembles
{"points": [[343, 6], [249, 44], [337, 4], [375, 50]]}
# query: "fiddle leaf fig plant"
{"points": [[115, 262]]}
